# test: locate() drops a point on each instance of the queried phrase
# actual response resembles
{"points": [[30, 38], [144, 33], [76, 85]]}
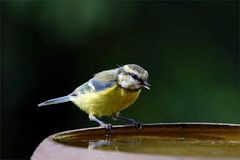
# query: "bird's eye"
{"points": [[134, 76]]}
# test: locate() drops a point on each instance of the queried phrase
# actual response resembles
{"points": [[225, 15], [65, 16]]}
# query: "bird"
{"points": [[108, 93]]}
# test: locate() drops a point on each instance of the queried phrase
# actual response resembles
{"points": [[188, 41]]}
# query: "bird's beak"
{"points": [[146, 85]]}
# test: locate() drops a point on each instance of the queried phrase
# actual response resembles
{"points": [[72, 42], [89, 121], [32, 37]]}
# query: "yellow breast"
{"points": [[106, 102]]}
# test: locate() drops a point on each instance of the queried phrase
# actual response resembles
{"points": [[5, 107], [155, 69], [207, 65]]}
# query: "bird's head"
{"points": [[132, 77]]}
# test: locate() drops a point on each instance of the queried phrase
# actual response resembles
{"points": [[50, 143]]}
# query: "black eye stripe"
{"points": [[134, 76]]}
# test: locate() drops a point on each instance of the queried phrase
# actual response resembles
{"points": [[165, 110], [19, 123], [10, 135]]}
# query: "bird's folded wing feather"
{"points": [[99, 82]]}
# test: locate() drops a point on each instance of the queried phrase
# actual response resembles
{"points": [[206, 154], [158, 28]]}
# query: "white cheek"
{"points": [[122, 81], [124, 84], [133, 81], [120, 77], [134, 84], [128, 82]]}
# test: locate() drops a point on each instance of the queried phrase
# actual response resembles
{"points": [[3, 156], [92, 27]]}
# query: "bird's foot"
{"points": [[138, 125], [108, 128]]}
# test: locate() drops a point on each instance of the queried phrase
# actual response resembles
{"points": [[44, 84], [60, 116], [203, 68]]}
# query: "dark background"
{"points": [[48, 48]]}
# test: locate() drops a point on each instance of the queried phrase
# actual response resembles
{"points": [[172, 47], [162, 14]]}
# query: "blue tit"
{"points": [[108, 93]]}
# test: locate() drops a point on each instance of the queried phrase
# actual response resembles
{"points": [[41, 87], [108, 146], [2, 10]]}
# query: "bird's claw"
{"points": [[138, 125], [108, 127]]}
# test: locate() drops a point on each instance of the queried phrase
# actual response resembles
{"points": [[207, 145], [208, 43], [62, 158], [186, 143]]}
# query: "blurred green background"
{"points": [[48, 48]]}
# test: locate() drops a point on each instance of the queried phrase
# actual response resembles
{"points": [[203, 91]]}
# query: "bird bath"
{"points": [[155, 141]]}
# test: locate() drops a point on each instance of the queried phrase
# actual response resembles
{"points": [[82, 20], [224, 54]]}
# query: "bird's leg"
{"points": [[101, 123], [129, 120]]}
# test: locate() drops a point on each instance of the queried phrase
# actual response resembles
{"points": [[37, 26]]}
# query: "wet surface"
{"points": [[177, 140]]}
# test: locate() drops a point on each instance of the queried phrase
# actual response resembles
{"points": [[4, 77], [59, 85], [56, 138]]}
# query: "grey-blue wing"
{"points": [[98, 86], [93, 85]]}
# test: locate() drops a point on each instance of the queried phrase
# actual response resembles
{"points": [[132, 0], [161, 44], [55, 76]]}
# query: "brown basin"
{"points": [[155, 141]]}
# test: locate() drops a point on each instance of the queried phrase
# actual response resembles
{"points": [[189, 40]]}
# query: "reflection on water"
{"points": [[98, 144], [165, 145]]}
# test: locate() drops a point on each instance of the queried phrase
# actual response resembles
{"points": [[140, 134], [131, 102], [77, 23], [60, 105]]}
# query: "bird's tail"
{"points": [[55, 101]]}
